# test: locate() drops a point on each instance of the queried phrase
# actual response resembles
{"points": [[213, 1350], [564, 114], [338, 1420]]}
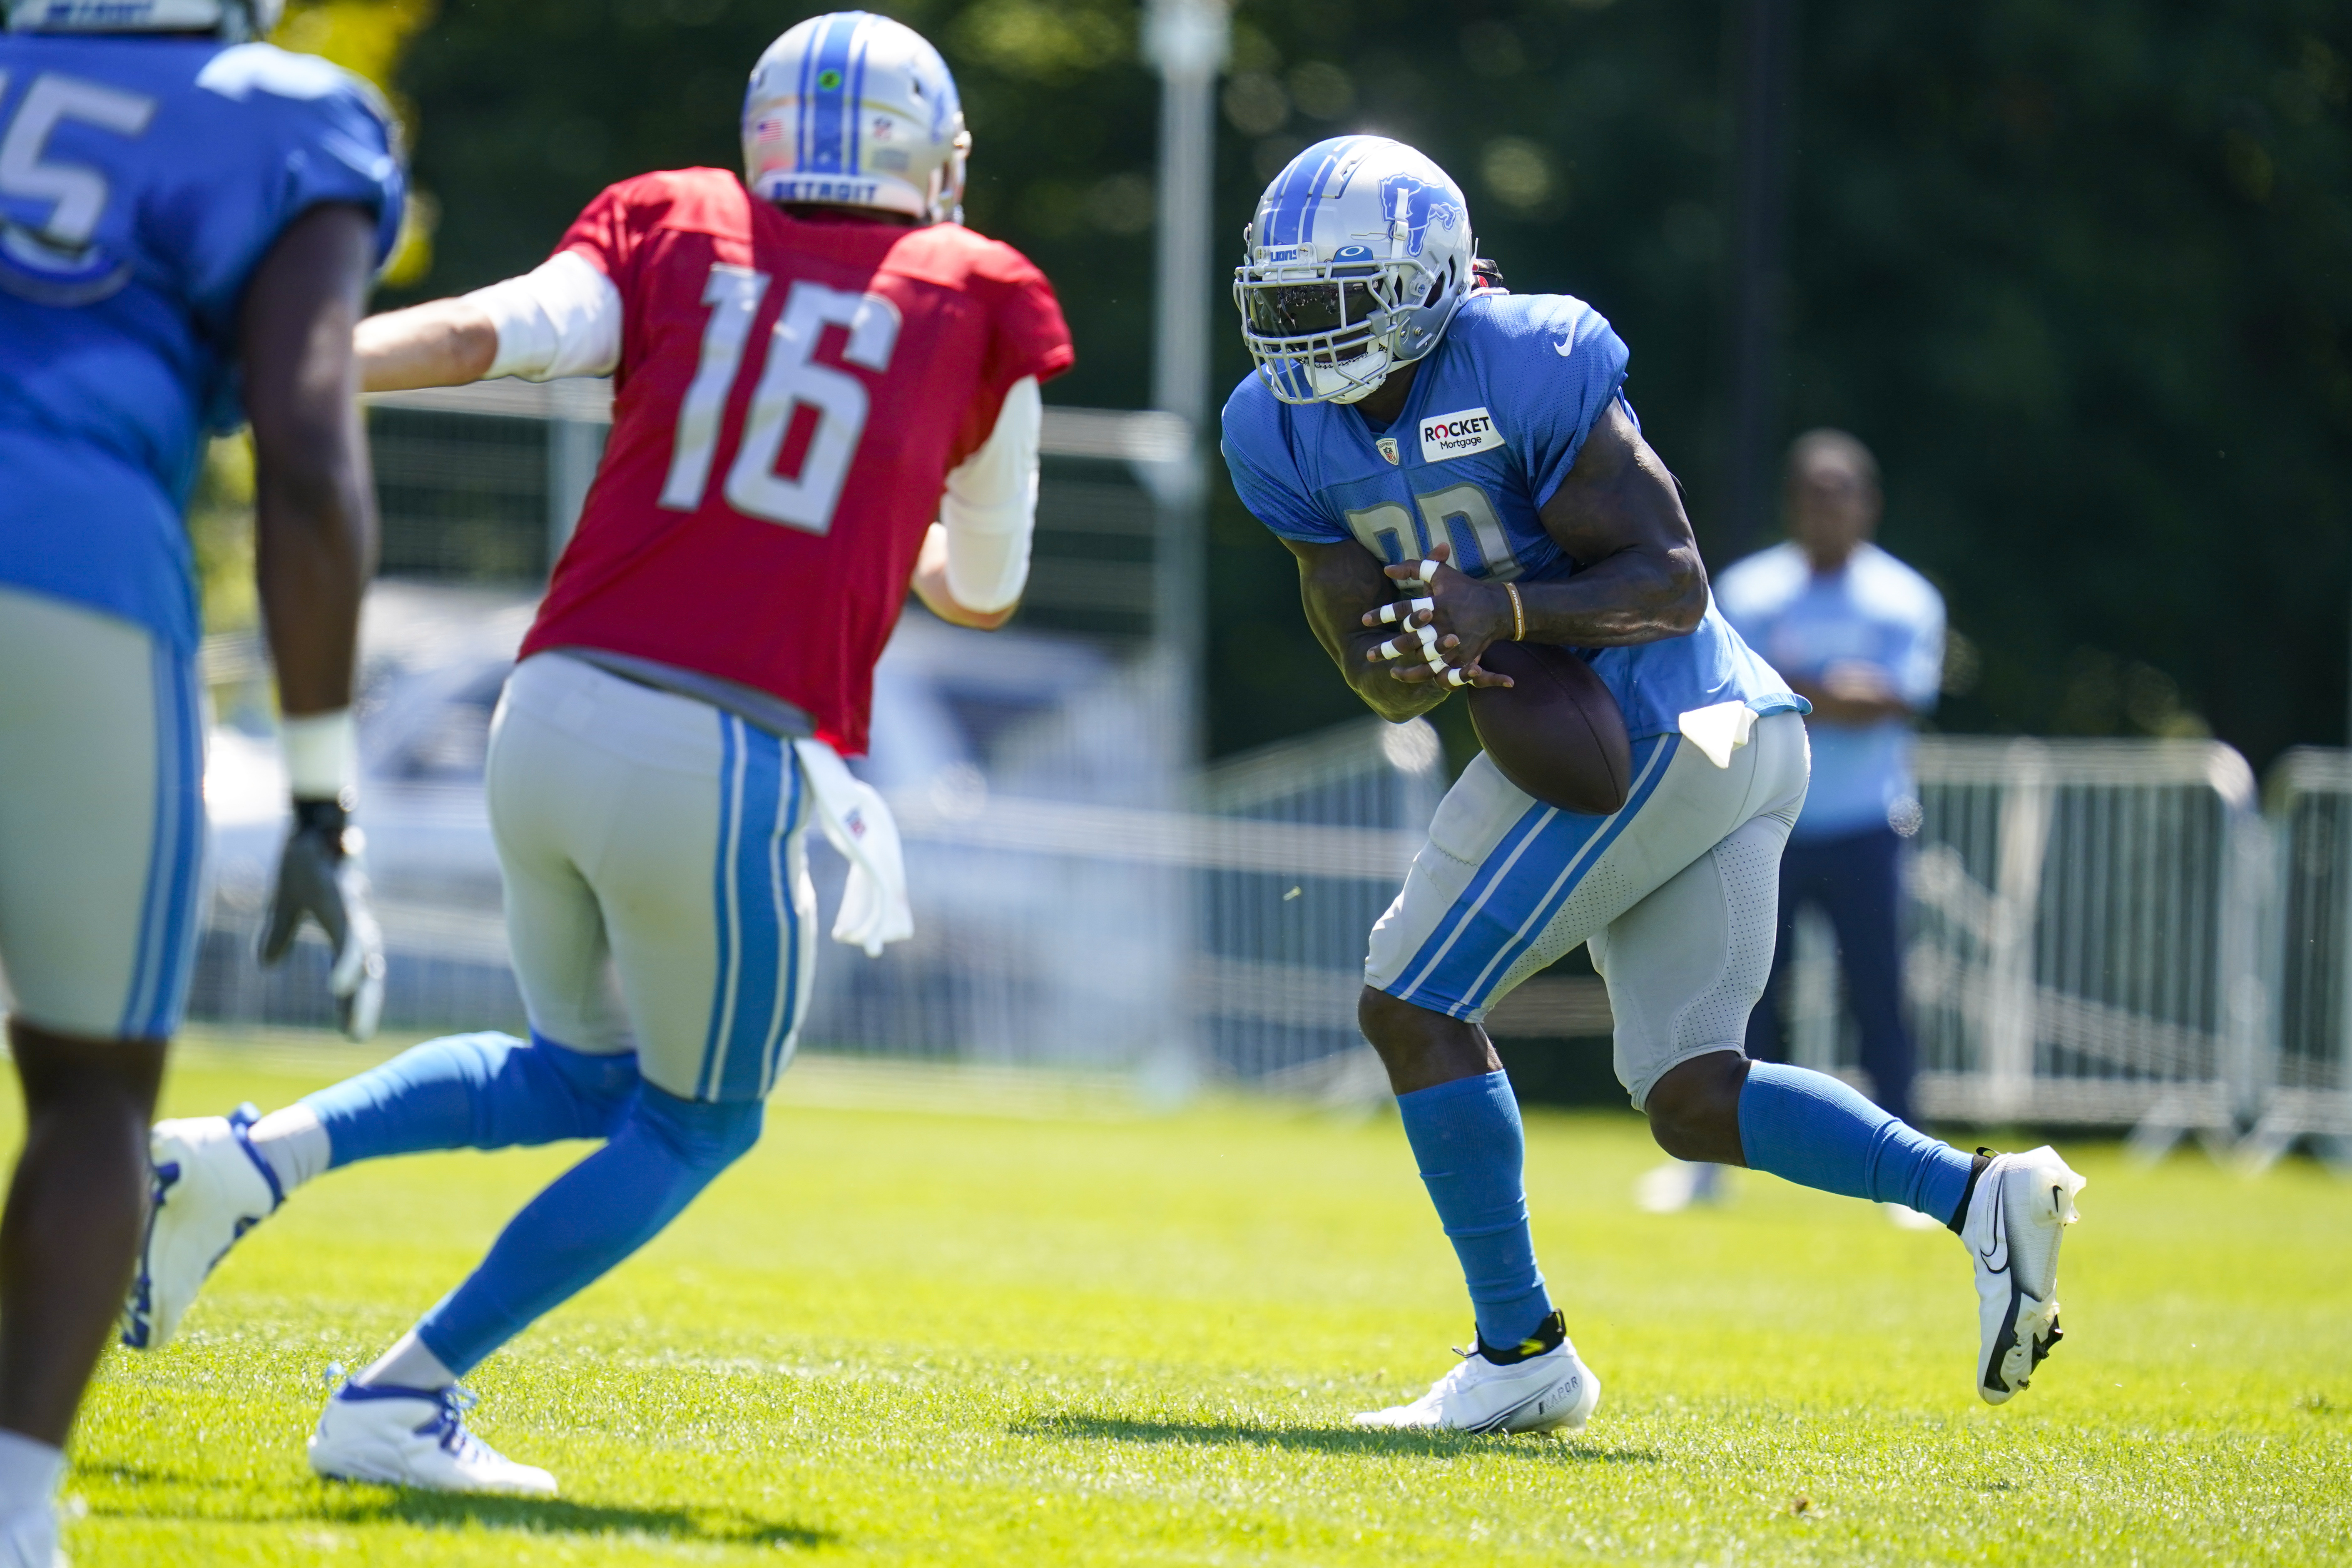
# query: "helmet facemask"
{"points": [[1357, 259], [1331, 331]]}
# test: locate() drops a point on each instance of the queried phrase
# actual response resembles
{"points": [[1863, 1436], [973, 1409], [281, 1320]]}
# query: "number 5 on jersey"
{"points": [[790, 379]]}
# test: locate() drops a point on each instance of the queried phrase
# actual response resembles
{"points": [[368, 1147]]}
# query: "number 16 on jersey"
{"points": [[790, 379]]}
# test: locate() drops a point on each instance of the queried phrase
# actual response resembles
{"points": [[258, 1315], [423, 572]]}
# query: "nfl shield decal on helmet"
{"points": [[1387, 444]]}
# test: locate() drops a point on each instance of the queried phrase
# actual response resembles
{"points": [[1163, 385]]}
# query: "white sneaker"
{"points": [[29, 1539], [1546, 1392], [2017, 1215], [209, 1186], [1677, 1184], [414, 1437]]}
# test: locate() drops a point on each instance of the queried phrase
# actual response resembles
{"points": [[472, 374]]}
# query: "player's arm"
{"points": [[314, 527], [974, 562], [1341, 587], [1619, 517], [561, 319]]}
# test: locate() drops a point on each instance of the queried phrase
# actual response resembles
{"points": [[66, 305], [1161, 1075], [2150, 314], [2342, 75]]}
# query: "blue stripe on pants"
{"points": [[1532, 871], [165, 956], [756, 984]]}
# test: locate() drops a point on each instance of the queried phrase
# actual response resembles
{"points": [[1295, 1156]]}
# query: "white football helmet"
{"points": [[859, 110], [235, 20], [1358, 256]]}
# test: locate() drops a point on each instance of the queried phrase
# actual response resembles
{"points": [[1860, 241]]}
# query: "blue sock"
{"points": [[474, 1092], [1810, 1129], [1471, 1149], [665, 1151]]}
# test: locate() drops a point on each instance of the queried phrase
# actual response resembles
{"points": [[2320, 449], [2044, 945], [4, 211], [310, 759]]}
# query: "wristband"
{"points": [[1518, 613], [322, 756]]}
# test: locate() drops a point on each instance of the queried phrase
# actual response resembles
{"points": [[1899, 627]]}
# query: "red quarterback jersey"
{"points": [[790, 398]]}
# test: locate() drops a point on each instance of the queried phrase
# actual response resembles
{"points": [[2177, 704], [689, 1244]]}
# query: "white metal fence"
{"points": [[2305, 1069], [2086, 943], [2101, 932]]}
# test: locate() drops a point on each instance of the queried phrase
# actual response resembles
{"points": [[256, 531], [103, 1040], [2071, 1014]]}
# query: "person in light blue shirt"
{"points": [[1862, 636]]}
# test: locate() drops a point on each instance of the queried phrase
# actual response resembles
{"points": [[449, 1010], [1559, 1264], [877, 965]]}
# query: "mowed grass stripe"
{"points": [[1056, 1331]]}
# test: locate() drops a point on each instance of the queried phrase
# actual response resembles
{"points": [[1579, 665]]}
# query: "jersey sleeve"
{"points": [[313, 135], [1027, 340], [606, 233], [1266, 474], [1562, 363]]}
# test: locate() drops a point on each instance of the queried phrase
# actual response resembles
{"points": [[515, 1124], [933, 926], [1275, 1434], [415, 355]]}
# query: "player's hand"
{"points": [[319, 879], [1444, 628]]}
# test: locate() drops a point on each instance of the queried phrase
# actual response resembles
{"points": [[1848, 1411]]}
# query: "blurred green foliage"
{"points": [[2082, 274]]}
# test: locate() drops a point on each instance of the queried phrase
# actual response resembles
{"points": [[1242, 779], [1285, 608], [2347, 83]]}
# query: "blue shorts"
{"points": [[101, 820]]}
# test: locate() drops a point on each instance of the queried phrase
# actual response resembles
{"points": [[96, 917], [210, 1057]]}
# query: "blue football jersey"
{"points": [[1497, 414], [141, 180]]}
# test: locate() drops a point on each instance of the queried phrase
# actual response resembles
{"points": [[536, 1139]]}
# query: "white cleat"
{"points": [[415, 1437], [209, 1188], [29, 1539], [2017, 1215], [1548, 1391]]}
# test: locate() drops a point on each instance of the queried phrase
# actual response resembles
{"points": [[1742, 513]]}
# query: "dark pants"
{"points": [[1857, 882]]}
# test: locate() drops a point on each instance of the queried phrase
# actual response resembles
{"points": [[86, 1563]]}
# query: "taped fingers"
{"points": [[1391, 614]]}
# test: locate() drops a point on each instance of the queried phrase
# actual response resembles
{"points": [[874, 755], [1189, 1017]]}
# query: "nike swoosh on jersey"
{"points": [[1561, 348]]}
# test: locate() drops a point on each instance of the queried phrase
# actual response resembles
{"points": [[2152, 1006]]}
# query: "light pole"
{"points": [[1187, 40]]}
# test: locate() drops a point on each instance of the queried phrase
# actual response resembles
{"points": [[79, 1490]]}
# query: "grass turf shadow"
{"points": [[554, 1516], [363, 1502], [1341, 1441]]}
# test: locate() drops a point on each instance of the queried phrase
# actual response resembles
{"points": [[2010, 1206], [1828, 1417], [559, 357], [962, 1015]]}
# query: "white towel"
{"points": [[874, 908], [1720, 730]]}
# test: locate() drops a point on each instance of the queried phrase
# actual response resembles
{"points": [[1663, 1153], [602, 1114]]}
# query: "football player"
{"points": [[189, 225], [1454, 465], [811, 363]]}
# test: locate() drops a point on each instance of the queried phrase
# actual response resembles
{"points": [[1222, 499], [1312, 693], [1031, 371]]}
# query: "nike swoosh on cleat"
{"points": [[2058, 1201], [2003, 1342], [2000, 1247]]}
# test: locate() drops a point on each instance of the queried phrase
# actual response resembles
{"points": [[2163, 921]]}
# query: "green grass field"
{"points": [[958, 1320]]}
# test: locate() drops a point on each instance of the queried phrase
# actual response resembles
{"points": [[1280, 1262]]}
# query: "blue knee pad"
{"points": [[664, 1152], [701, 1134], [475, 1091]]}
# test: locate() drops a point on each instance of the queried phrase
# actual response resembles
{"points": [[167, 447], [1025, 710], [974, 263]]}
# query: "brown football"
{"points": [[1556, 733]]}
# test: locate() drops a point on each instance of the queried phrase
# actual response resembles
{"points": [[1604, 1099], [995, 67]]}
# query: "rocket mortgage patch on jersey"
{"points": [[1445, 435]]}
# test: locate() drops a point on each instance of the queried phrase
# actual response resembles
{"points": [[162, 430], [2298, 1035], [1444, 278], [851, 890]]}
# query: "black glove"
{"points": [[319, 876]]}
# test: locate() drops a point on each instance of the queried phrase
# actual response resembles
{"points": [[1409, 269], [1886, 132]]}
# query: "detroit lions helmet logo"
{"points": [[1412, 204]]}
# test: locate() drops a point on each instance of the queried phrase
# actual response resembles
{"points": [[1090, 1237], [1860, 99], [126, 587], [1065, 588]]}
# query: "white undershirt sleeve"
{"points": [[990, 509], [563, 317]]}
